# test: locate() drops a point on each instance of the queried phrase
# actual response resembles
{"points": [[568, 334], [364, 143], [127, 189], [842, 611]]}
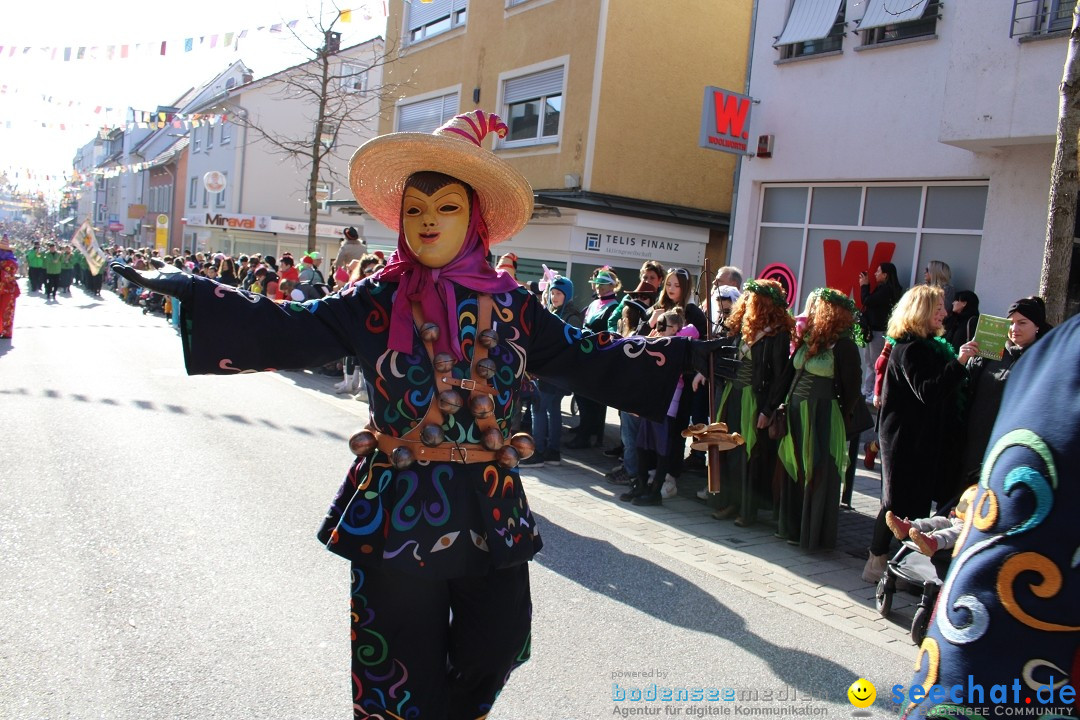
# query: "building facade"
{"points": [[261, 205], [603, 99], [904, 132]]}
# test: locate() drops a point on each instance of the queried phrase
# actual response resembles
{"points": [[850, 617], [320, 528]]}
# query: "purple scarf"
{"points": [[434, 287]]}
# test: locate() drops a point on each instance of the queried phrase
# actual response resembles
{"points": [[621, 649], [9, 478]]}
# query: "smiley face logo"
{"points": [[862, 693]]}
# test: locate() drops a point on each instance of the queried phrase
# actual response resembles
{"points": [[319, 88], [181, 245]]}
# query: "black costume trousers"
{"points": [[436, 649]]}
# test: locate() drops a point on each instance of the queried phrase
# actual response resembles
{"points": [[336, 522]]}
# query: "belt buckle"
{"points": [[468, 384], [459, 454]]}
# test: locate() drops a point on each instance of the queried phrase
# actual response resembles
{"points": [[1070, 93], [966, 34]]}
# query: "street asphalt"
{"points": [[160, 560]]}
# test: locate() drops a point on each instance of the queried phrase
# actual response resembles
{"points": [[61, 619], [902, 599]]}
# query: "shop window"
{"points": [[892, 206], [955, 207], [813, 27], [891, 20], [835, 206], [784, 205]]}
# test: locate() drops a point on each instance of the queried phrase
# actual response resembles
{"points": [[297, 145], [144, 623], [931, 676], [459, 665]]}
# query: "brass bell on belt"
{"points": [[402, 457], [488, 338], [429, 332], [485, 368], [507, 456], [443, 362], [481, 406], [363, 443], [432, 435], [450, 401], [492, 439], [524, 444]]}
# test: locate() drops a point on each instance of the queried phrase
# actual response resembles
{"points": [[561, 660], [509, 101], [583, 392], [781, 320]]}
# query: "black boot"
{"points": [[637, 489], [651, 493]]}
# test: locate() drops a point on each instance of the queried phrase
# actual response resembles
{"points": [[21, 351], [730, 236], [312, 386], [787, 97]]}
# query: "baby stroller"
{"points": [[919, 571]]}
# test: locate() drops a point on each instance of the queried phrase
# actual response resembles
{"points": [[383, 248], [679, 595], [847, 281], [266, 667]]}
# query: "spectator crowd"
{"points": [[895, 372]]}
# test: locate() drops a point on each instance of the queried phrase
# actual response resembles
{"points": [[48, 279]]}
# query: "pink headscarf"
{"points": [[434, 287]]}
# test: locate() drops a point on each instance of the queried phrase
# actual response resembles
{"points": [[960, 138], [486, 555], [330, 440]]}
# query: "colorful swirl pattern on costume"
{"points": [[1009, 610]]}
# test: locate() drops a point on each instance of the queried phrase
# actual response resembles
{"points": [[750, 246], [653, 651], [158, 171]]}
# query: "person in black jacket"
{"points": [[1027, 323], [920, 419], [961, 323], [877, 305], [547, 408]]}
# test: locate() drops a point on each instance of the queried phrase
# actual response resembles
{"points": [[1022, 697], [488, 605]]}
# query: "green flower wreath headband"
{"points": [[771, 291], [836, 298], [857, 332]]}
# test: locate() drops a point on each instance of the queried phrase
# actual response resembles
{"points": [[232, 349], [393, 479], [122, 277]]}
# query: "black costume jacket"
{"points": [[440, 519]]}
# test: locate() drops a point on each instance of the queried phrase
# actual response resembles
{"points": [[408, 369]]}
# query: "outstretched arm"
{"points": [[226, 330]]}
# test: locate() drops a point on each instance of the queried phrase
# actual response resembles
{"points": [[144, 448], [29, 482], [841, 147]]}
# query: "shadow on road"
{"points": [[169, 407], [671, 598]]}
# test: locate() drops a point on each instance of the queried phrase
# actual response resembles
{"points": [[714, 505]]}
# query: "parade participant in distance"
{"points": [[9, 287], [432, 513]]}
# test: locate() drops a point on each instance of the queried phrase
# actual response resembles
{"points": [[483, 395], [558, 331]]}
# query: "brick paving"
{"points": [[824, 585]]}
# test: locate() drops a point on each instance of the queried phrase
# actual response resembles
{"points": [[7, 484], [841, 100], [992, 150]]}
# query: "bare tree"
{"points": [[335, 100], [1064, 186]]}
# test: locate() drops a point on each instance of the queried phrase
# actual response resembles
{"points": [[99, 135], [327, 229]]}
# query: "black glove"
{"points": [[725, 356], [164, 279]]}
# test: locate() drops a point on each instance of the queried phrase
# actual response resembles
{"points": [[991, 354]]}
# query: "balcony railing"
{"points": [[1041, 17]]}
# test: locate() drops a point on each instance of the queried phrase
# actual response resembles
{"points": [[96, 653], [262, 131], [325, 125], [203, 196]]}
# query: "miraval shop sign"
{"points": [[231, 221], [725, 121], [642, 247]]}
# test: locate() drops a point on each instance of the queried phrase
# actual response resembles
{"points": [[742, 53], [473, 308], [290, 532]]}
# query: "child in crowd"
{"points": [[933, 533], [660, 445]]}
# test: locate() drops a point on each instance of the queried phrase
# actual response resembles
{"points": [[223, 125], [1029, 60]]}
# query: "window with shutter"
{"points": [[533, 107], [424, 20], [426, 115]]}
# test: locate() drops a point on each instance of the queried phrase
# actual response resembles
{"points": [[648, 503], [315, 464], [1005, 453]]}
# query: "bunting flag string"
{"points": [[137, 119], [170, 47]]}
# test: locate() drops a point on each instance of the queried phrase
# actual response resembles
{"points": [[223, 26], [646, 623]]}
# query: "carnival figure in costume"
{"points": [[1004, 639], [432, 513], [9, 288]]}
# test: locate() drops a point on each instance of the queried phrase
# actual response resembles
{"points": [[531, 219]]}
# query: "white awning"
{"points": [[890, 12], [809, 20]]}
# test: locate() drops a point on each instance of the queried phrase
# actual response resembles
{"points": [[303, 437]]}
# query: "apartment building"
{"points": [[257, 201], [603, 99], [902, 131]]}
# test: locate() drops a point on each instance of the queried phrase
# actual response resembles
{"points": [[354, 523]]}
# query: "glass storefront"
{"points": [[825, 235]]}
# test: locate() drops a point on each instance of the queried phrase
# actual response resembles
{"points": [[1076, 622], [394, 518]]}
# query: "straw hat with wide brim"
{"points": [[379, 168]]}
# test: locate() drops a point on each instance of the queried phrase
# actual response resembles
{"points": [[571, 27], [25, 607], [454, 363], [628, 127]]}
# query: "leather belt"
{"points": [[446, 452]]}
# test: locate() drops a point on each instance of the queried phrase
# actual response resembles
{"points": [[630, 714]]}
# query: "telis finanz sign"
{"points": [[725, 121]]}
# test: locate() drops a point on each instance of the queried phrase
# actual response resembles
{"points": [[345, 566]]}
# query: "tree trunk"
{"points": [[317, 150], [1064, 184]]}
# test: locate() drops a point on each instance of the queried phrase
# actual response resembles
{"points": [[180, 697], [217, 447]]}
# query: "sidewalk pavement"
{"points": [[825, 585]]}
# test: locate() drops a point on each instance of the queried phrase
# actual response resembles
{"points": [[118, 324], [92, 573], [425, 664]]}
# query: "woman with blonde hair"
{"points": [[939, 274], [918, 425], [761, 320], [820, 388]]}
